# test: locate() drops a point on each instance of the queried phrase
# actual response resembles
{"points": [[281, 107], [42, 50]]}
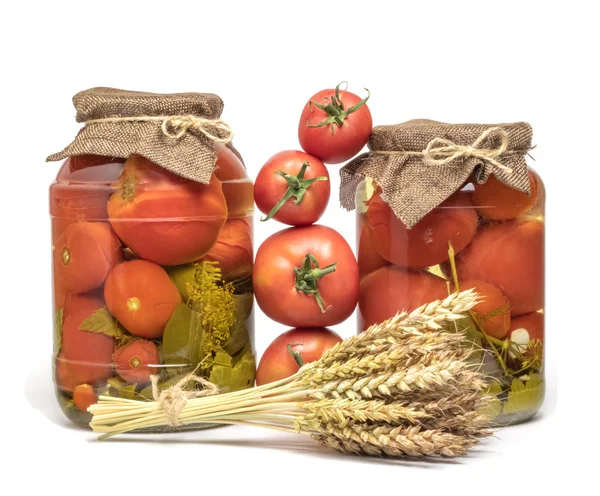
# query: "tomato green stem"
{"points": [[297, 188], [296, 355], [334, 108], [307, 278]]}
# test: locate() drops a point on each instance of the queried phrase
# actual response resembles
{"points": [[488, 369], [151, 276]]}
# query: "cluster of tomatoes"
{"points": [[307, 276], [497, 236], [119, 228]]}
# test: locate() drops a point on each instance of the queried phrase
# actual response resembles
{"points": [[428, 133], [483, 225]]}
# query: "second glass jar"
{"points": [[488, 237]]}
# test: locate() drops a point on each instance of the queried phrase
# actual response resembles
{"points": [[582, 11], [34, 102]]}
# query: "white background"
{"points": [[453, 61]]}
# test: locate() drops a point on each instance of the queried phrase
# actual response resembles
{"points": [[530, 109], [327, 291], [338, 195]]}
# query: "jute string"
{"points": [[441, 151], [174, 398], [175, 126]]}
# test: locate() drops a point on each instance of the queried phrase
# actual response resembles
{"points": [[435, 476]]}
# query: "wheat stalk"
{"points": [[427, 317], [381, 439], [404, 387]]}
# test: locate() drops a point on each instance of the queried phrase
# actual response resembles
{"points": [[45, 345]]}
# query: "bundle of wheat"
{"points": [[405, 387]]}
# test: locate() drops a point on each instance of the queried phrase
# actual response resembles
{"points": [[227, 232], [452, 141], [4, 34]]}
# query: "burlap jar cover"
{"points": [[175, 131], [418, 164]]}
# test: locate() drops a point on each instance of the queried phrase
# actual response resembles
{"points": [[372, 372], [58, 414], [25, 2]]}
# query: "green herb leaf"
{"points": [[494, 408], [238, 333], [222, 358], [58, 325], [182, 275], [183, 341], [102, 322], [239, 376], [526, 394], [123, 389]]}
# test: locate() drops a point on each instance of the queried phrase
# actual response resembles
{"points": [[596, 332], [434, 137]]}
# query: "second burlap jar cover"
{"points": [[418, 164], [176, 131]]}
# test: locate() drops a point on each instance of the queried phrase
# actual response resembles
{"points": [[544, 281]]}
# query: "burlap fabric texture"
{"points": [[175, 131], [420, 163]]}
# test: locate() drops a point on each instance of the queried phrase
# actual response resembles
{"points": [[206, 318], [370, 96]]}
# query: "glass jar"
{"points": [[489, 237], [152, 276]]}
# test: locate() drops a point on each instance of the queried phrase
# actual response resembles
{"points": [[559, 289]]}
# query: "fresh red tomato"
{"points": [[335, 125], [292, 174], [291, 350], [306, 277]]}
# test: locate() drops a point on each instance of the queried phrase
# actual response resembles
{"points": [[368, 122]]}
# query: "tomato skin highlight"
{"points": [[274, 278], [270, 187], [347, 139], [277, 363]]}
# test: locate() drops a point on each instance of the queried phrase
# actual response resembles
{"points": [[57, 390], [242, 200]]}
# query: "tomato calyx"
{"points": [[307, 278], [296, 355], [297, 188], [127, 188], [334, 108]]}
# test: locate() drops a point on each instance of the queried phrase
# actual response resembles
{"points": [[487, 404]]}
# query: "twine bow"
{"points": [[441, 151], [174, 398], [175, 126]]}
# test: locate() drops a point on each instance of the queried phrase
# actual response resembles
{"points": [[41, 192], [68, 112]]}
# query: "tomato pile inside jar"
{"points": [[488, 237], [152, 276]]}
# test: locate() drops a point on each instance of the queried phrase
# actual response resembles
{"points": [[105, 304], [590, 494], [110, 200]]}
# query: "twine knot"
{"points": [[174, 398], [441, 151], [175, 126]]}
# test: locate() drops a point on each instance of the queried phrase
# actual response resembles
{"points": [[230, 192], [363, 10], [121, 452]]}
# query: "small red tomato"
{"points": [[132, 361], [292, 174], [306, 276], [335, 125], [84, 396], [291, 350]]}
